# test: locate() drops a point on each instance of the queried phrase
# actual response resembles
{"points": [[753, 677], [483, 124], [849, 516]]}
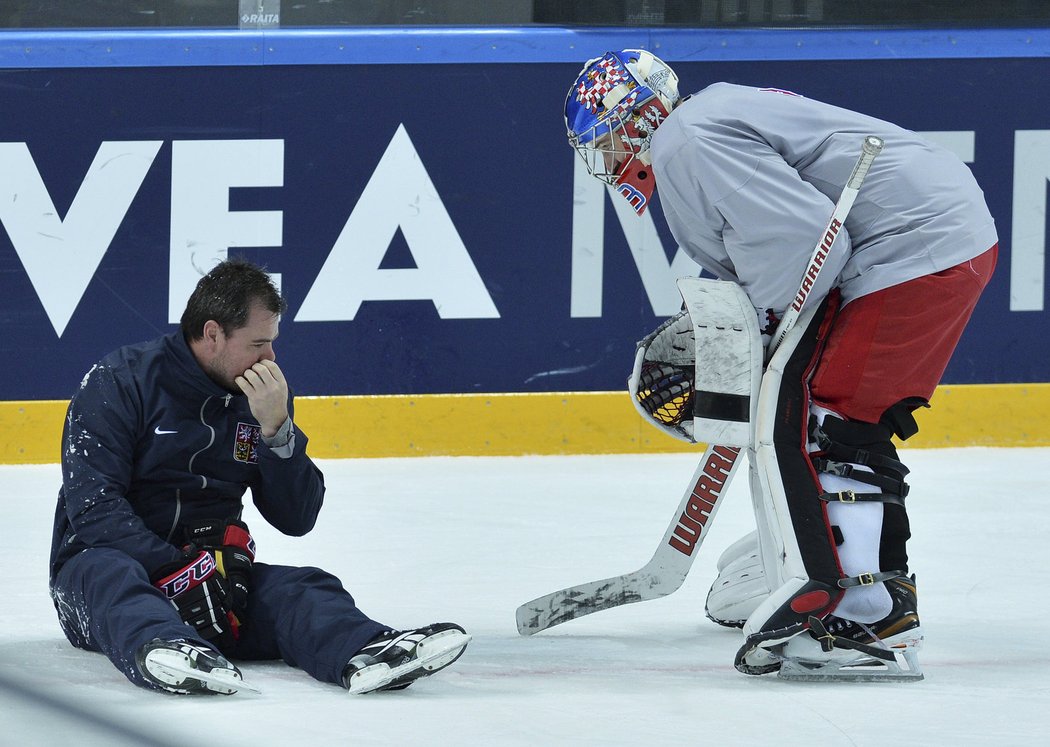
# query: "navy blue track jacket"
{"points": [[150, 443]]}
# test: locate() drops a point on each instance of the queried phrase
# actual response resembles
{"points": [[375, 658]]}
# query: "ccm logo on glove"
{"points": [[187, 577]]}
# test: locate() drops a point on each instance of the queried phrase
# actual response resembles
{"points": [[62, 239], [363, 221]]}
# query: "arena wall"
{"points": [[456, 283]]}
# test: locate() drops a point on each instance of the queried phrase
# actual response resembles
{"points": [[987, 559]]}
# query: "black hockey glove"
{"points": [[232, 546], [201, 596]]}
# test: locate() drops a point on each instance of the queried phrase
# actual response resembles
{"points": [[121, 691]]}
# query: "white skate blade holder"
{"points": [[432, 654], [904, 667], [173, 663]]}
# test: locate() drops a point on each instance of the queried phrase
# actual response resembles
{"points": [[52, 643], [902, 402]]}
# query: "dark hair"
{"points": [[226, 294]]}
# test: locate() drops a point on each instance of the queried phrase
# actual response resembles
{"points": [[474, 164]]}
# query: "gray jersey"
{"points": [[748, 179]]}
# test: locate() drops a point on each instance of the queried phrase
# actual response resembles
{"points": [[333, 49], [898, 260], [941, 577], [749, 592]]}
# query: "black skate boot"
{"points": [[186, 668], [838, 649], [394, 660], [903, 618]]}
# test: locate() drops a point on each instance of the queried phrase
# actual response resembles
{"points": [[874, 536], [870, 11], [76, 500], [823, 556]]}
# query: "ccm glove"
{"points": [[201, 596], [230, 542]]}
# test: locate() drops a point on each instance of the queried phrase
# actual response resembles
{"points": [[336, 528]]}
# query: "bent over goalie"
{"points": [[748, 178]]}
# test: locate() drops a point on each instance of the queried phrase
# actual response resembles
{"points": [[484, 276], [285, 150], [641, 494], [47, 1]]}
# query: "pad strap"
{"points": [[867, 579], [828, 642], [841, 459], [848, 469], [851, 496]]}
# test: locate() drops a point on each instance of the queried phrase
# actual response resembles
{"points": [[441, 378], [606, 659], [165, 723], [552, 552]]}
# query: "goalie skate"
{"points": [[184, 668], [396, 660], [895, 659], [838, 649]]}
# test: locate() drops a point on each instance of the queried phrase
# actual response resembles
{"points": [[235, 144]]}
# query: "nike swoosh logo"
{"points": [[159, 432]]}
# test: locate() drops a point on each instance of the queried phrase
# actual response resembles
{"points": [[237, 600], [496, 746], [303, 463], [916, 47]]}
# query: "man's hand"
{"points": [[233, 548], [267, 393]]}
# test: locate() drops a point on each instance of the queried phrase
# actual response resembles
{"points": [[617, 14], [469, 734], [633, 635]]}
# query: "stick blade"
{"points": [[664, 573], [577, 601]]}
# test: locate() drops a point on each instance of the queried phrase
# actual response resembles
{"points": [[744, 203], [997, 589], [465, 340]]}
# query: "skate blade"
{"points": [[440, 650], [904, 668], [177, 670], [432, 654]]}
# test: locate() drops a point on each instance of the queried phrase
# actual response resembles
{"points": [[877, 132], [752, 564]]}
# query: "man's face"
{"points": [[242, 348], [613, 152]]}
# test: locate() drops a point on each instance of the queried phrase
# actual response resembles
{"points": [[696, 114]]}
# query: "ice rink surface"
{"points": [[469, 539]]}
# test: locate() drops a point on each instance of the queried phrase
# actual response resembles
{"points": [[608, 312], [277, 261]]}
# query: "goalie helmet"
{"points": [[611, 113]]}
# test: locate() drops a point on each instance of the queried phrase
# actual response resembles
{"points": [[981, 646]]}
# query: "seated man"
{"points": [[150, 562]]}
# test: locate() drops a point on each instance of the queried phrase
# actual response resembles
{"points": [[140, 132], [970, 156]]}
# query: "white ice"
{"points": [[469, 539]]}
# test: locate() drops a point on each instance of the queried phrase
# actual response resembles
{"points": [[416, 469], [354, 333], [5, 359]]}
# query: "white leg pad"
{"points": [[746, 545], [741, 584]]}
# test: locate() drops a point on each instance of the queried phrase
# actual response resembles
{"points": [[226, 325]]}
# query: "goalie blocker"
{"points": [[696, 376]]}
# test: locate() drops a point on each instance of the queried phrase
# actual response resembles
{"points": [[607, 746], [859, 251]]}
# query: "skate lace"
{"points": [[852, 629], [839, 625]]}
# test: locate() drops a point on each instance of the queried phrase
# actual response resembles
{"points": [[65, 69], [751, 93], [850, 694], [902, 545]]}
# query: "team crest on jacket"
{"points": [[246, 447]]}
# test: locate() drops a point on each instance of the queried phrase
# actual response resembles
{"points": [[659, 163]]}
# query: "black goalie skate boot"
{"points": [[899, 624], [396, 659], [838, 649]]}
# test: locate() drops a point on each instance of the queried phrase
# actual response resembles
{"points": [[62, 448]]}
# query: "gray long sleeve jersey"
{"points": [[748, 179]]}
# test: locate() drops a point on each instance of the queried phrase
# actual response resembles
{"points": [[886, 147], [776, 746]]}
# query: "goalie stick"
{"points": [[667, 569], [870, 148]]}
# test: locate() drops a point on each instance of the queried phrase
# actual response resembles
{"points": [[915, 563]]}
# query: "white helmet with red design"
{"points": [[611, 113]]}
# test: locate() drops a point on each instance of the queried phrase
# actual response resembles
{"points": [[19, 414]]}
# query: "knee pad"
{"points": [[860, 452]]}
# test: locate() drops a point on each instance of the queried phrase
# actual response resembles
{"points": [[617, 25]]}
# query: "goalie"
{"points": [[748, 177]]}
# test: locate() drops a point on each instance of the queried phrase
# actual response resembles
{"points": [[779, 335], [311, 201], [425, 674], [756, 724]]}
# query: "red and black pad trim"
{"points": [[813, 600], [809, 519]]}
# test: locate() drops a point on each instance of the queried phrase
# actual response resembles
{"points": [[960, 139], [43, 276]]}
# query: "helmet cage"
{"points": [[611, 113], [607, 147]]}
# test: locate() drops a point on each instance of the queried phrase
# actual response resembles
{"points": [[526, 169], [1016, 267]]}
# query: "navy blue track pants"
{"points": [[304, 616]]}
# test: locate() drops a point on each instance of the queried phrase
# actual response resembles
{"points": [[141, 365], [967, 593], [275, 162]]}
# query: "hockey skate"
{"points": [[838, 649], [396, 659], [186, 668]]}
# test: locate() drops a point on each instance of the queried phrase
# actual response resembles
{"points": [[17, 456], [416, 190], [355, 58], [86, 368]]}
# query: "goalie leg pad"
{"points": [[750, 568], [874, 633], [788, 501], [741, 584], [806, 565], [826, 496], [743, 547], [863, 481]]}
